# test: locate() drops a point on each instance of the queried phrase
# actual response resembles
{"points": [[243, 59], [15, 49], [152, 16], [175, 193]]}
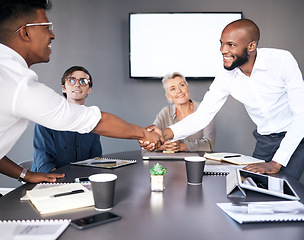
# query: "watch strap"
{"points": [[22, 175]]}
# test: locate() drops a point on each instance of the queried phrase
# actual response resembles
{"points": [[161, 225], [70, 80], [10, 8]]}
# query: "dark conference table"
{"points": [[181, 212]]}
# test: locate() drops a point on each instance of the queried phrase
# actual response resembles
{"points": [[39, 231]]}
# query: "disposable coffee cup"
{"points": [[103, 187], [195, 169]]}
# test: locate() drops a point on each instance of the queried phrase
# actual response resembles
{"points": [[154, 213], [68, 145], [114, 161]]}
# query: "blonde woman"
{"points": [[177, 93]]}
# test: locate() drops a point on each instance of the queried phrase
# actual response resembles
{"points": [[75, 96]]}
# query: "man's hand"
{"points": [[270, 167], [37, 177], [13, 170], [154, 128], [151, 141]]}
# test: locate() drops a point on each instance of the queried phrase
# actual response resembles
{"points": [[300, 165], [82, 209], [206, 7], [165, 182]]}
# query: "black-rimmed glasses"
{"points": [[82, 81]]}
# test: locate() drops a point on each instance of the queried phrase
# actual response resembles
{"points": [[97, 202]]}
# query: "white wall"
{"points": [[94, 33]]}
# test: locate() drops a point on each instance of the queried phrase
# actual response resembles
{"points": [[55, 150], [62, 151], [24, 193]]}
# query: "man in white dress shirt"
{"points": [[25, 39], [270, 85]]}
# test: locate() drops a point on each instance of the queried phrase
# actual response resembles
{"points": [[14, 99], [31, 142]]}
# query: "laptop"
{"points": [[159, 155]]}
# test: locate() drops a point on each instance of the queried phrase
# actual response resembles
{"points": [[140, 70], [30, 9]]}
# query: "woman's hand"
{"points": [[175, 146]]}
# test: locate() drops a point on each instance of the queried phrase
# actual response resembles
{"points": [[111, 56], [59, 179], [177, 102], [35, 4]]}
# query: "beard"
{"points": [[239, 61]]}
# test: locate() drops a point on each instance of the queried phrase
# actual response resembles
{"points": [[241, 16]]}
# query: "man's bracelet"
{"points": [[22, 175]]}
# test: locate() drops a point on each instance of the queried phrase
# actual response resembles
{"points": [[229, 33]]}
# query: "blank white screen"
{"points": [[162, 43]]}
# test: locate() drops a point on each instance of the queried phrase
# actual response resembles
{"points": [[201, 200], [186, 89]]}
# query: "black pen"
{"points": [[68, 193], [108, 162], [231, 156]]}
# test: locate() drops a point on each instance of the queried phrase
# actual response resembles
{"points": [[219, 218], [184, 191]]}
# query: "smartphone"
{"points": [[82, 180], [94, 220]]}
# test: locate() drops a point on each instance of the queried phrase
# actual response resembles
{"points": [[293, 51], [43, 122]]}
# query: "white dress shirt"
{"points": [[24, 99], [273, 96]]}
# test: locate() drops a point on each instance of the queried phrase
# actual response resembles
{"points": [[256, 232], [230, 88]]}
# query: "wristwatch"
{"points": [[22, 175]]}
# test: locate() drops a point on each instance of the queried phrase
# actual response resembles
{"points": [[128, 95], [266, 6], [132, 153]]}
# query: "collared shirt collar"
{"points": [[259, 63], [173, 111], [13, 54]]}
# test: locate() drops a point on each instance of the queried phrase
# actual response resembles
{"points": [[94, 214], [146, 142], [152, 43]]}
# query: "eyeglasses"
{"points": [[48, 24], [82, 81]]}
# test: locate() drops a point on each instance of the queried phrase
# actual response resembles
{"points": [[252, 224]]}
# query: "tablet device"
{"points": [[266, 184]]}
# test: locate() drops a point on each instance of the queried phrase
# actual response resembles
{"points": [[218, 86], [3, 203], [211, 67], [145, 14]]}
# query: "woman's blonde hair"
{"points": [[172, 76]]}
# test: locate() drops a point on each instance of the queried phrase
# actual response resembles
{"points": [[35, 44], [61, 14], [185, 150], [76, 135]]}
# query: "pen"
{"points": [[231, 156], [68, 193], [103, 162]]}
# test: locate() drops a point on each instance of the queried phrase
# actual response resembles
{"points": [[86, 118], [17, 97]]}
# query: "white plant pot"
{"points": [[157, 183]]}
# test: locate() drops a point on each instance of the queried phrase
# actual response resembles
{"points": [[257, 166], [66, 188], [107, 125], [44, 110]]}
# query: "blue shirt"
{"points": [[54, 149]]}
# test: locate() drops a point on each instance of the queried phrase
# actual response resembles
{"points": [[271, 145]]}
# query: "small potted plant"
{"points": [[157, 178]]}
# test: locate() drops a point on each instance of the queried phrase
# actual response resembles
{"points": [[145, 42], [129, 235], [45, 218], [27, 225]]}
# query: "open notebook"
{"points": [[234, 158], [46, 200]]}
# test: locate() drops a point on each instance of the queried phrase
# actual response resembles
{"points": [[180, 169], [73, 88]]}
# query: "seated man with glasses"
{"points": [[54, 149]]}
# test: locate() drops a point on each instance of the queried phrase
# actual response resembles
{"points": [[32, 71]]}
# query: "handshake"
{"points": [[159, 139]]}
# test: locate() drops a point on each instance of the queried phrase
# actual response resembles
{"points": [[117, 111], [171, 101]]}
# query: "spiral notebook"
{"points": [[219, 169], [101, 162], [32, 229], [276, 211]]}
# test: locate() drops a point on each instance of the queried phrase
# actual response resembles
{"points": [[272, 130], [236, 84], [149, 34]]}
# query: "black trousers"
{"points": [[267, 146]]}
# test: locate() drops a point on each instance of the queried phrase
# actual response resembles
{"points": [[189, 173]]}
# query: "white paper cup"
{"points": [[195, 169], [103, 187]]}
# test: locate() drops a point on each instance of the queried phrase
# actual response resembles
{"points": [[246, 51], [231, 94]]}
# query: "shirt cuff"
{"points": [[176, 132], [281, 158]]}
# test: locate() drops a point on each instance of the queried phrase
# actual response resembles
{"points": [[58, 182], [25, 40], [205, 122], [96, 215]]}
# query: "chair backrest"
{"points": [[27, 164]]}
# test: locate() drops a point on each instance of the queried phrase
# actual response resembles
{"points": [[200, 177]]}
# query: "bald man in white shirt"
{"points": [[270, 85]]}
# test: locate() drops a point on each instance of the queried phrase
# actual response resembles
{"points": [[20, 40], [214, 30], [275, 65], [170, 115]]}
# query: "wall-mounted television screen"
{"points": [[189, 43]]}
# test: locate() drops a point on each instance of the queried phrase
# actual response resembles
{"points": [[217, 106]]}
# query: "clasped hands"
{"points": [[155, 140]]}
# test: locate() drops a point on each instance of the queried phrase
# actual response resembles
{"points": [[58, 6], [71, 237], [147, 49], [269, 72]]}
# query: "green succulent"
{"points": [[158, 169]]}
